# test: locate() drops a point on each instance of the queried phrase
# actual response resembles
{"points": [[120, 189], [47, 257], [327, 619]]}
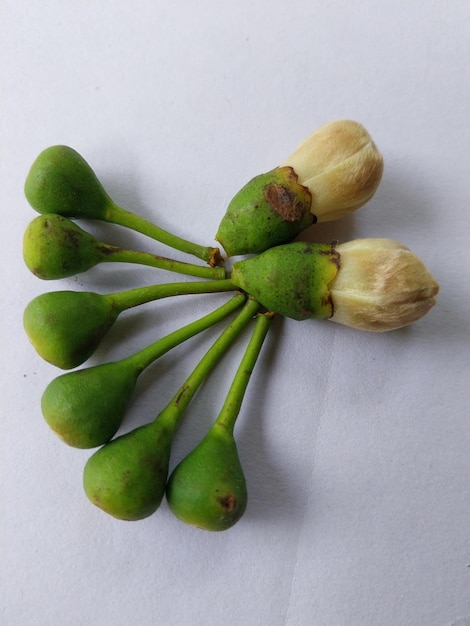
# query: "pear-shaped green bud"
{"points": [[55, 247], [127, 476], [292, 279], [86, 407], [208, 488], [272, 209], [65, 327], [61, 181]]}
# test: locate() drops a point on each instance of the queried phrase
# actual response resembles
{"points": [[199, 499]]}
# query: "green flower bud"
{"points": [[334, 171], [61, 181], [380, 286], [370, 284], [271, 209], [291, 279]]}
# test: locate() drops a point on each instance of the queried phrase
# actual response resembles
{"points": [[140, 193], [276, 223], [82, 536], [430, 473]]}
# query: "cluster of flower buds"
{"points": [[370, 284]]}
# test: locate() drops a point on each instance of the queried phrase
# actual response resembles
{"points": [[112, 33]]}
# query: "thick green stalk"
{"points": [[173, 412], [148, 355], [118, 215], [233, 402], [134, 297], [114, 253]]}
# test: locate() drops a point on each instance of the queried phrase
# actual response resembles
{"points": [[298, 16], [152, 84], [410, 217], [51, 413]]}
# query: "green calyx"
{"points": [[126, 477], [208, 488], [292, 280], [270, 210], [55, 247], [61, 181], [65, 327]]}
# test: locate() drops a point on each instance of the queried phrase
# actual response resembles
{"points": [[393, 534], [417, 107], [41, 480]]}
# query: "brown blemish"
{"points": [[215, 258], [228, 502], [284, 202], [107, 250], [326, 301], [181, 394], [335, 256]]}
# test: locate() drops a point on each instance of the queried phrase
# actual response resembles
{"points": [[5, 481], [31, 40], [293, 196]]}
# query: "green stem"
{"points": [[142, 359], [114, 253], [233, 402], [173, 412], [118, 215], [134, 297]]}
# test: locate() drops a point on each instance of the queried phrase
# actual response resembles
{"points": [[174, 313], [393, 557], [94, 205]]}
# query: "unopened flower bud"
{"points": [[269, 210], [334, 171], [341, 167], [370, 284], [381, 285]]}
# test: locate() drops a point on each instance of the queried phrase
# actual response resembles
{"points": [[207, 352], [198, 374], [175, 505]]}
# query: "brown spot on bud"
{"points": [[284, 201], [228, 502]]}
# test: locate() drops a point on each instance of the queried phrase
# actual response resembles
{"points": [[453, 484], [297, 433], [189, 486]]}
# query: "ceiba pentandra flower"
{"points": [[334, 171], [369, 284], [341, 167], [381, 285]]}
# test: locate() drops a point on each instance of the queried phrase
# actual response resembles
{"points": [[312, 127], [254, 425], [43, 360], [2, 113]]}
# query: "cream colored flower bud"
{"points": [[340, 165], [381, 285]]}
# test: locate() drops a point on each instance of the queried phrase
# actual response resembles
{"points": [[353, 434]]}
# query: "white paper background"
{"points": [[355, 445]]}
